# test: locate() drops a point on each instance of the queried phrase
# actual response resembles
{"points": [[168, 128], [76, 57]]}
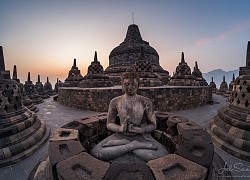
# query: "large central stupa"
{"points": [[127, 53]]}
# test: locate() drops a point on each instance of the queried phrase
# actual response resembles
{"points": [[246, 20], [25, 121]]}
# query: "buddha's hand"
{"points": [[124, 125], [134, 129]]}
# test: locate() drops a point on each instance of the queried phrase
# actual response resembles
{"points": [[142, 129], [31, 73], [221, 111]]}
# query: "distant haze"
{"points": [[218, 76]]}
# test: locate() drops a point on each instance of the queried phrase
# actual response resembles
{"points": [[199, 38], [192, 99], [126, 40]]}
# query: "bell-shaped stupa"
{"points": [[74, 76], [182, 75], [213, 85], [57, 85], [48, 88], [30, 90], [127, 53], [223, 87], [21, 132], [40, 89], [198, 75], [230, 129], [95, 77]]}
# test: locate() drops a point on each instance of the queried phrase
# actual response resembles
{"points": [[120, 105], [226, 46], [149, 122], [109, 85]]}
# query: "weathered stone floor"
{"points": [[55, 115]]}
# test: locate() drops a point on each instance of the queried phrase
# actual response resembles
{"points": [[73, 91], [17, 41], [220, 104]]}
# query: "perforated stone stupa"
{"points": [[21, 132], [48, 88], [182, 75], [230, 129], [145, 70], [40, 89], [58, 84], [30, 90], [223, 87], [27, 102], [95, 76], [74, 76], [127, 53], [198, 75], [213, 85]]}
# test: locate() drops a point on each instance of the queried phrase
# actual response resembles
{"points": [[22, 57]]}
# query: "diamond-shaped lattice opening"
{"points": [[248, 89], [244, 82], [9, 99], [17, 98], [238, 101], [243, 95], [15, 106], [6, 108], [236, 94], [246, 103], [240, 88], [14, 86], [12, 92], [7, 86]]}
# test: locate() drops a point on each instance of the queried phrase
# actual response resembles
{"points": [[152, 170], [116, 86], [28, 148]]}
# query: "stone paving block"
{"points": [[175, 167], [187, 126], [60, 150], [81, 166], [102, 117], [128, 171], [197, 136], [63, 134], [172, 122], [200, 152]]}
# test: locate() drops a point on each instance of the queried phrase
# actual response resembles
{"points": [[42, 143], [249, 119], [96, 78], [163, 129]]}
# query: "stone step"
{"points": [[26, 153], [234, 131], [236, 114], [236, 142], [232, 121], [241, 154]]}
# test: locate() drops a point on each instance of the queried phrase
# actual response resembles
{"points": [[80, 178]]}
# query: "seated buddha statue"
{"points": [[137, 122]]}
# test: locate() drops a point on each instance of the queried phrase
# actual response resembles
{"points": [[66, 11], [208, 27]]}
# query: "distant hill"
{"points": [[218, 76]]}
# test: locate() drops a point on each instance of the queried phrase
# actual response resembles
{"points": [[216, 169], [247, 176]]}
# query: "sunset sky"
{"points": [[44, 36]]}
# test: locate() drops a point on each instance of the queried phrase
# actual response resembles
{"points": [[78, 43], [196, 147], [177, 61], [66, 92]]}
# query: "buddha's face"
{"points": [[130, 86]]}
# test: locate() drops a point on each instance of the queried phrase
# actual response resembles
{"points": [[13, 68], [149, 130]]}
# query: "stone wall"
{"points": [[164, 98]]}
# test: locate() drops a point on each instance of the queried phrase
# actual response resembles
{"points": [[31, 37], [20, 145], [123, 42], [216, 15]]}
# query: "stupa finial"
{"points": [[14, 73], [224, 79], [95, 57], [74, 64], [47, 79], [196, 65], [28, 76], [182, 57], [233, 77], [38, 78], [133, 18], [2, 64], [133, 34], [212, 79], [248, 55]]}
